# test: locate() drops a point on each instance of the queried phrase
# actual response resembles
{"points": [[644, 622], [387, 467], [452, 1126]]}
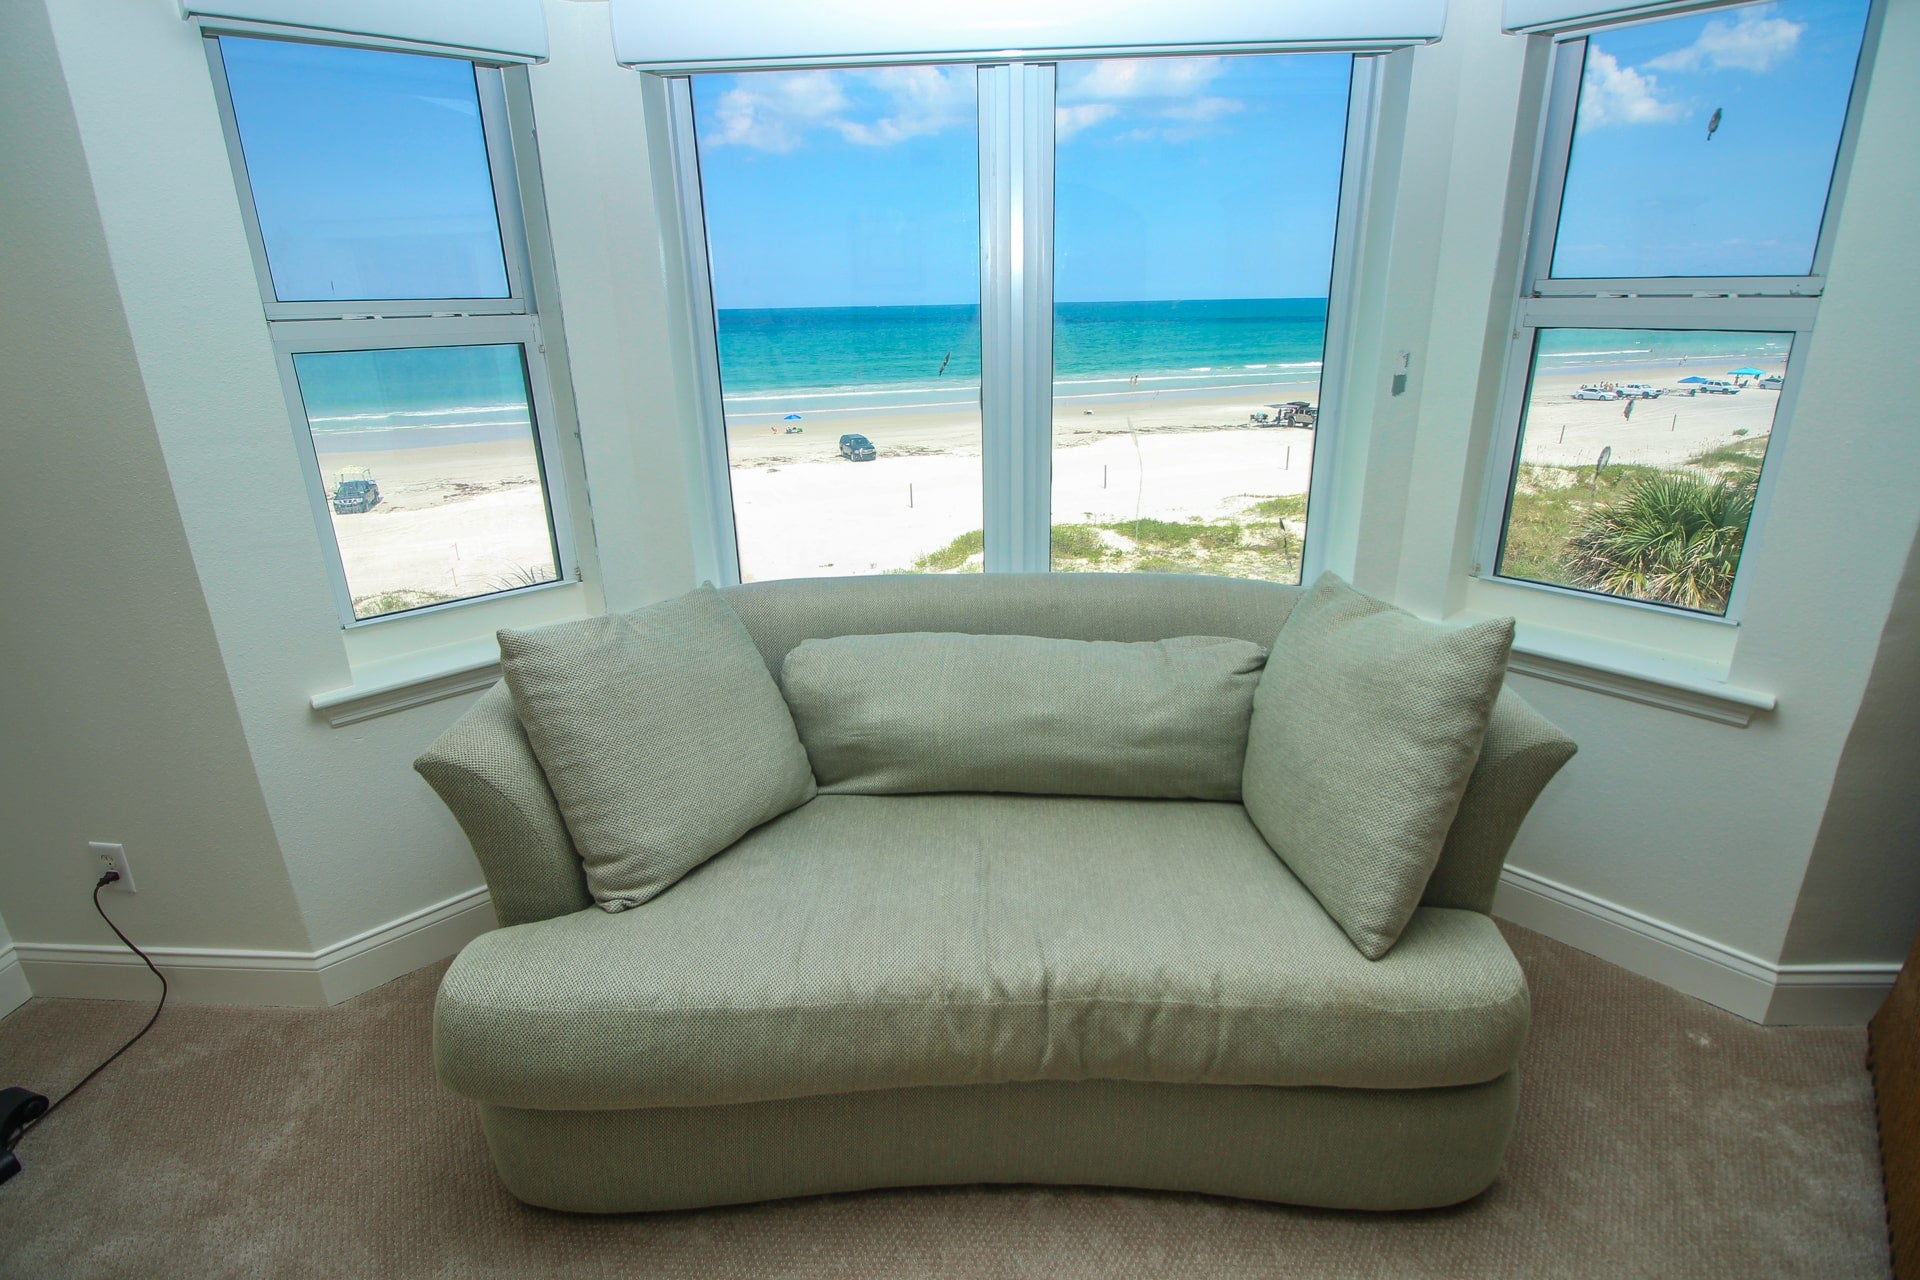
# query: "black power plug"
{"points": [[18, 1109]]}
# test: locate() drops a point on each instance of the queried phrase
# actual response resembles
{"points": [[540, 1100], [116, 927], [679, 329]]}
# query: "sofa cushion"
{"points": [[662, 735], [921, 712], [874, 942], [1366, 727]]}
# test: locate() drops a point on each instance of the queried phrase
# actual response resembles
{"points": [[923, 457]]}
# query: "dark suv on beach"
{"points": [[353, 496], [857, 447]]}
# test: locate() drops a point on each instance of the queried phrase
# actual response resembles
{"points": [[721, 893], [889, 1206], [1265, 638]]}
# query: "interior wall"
{"points": [[1861, 896], [119, 722]]}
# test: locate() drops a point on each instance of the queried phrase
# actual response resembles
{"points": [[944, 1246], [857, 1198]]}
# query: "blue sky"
{"points": [[1649, 194], [1174, 178], [369, 171]]}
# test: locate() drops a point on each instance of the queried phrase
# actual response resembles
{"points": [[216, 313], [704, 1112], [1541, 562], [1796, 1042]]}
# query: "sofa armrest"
{"points": [[485, 770], [1522, 752]]}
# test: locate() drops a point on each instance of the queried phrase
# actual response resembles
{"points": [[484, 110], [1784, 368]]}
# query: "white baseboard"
{"points": [[1756, 989], [197, 975], [378, 956], [14, 990]]}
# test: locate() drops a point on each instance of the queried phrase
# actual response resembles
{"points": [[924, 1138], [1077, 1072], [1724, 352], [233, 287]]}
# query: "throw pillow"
{"points": [[924, 711], [662, 735], [1366, 725]]}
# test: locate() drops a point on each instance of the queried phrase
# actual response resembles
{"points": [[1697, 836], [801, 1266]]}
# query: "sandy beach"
{"points": [[464, 518], [1664, 432], [454, 520]]}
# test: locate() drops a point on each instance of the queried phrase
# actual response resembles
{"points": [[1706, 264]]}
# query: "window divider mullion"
{"points": [[1016, 314]]}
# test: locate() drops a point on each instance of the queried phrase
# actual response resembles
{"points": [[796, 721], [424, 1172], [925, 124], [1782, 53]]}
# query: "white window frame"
{"points": [[387, 324], [1016, 169], [1735, 304]]}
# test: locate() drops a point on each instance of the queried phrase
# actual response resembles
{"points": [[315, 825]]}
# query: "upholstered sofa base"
{"points": [[1334, 1148]]}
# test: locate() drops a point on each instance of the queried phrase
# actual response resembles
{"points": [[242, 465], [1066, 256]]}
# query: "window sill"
{"points": [[383, 688], [1635, 674]]}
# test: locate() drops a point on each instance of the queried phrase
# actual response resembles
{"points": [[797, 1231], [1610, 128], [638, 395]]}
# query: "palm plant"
{"points": [[1673, 537]]}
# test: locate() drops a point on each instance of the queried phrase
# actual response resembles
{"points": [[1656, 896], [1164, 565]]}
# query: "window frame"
{"points": [[296, 328], [1759, 304], [1015, 142]]}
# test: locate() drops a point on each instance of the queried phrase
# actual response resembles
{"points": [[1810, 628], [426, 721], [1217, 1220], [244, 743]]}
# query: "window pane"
{"points": [[430, 467], [842, 214], [1704, 145], [1195, 201], [1640, 455], [369, 171]]}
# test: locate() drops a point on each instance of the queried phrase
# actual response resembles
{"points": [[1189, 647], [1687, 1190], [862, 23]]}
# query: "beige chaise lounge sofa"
{"points": [[884, 990]]}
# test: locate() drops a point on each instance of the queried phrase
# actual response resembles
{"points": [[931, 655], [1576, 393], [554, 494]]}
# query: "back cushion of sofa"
{"points": [[926, 711]]}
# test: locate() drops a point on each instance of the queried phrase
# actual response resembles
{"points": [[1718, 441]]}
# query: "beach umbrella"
{"points": [[792, 417], [1696, 378], [1747, 373]]}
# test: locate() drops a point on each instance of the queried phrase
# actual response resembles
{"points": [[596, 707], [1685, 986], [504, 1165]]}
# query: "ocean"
{"points": [[775, 362], [804, 360], [1606, 350]]}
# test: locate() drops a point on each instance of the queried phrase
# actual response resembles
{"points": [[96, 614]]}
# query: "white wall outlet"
{"points": [[112, 857]]}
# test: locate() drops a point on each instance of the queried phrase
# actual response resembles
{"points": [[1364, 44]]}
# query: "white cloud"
{"points": [[1068, 121], [1137, 78], [1613, 94], [1152, 91], [924, 100], [1752, 42], [775, 112]]}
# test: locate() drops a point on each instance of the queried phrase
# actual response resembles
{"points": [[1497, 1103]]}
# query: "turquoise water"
{"points": [[1710, 353], [421, 395], [802, 358]]}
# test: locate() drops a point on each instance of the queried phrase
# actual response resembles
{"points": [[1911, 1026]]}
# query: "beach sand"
{"points": [[465, 518], [454, 520], [1665, 432]]}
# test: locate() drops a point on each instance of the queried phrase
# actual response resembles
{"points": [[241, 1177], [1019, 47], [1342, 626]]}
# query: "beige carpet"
{"points": [[1658, 1137]]}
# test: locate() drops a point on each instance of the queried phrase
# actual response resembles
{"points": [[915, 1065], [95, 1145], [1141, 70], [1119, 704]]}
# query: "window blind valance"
{"points": [[674, 36], [1539, 16], [513, 30]]}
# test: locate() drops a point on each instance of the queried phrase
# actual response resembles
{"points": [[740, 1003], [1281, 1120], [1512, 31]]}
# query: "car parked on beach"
{"points": [[1772, 382], [1594, 393], [355, 491], [1641, 391], [857, 448]]}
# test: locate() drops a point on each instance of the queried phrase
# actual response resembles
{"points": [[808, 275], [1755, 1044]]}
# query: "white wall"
{"points": [[325, 834], [119, 720]]}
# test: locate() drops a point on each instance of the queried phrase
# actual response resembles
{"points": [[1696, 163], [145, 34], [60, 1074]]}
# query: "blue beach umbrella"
{"points": [[1696, 378], [1747, 373], [792, 417]]}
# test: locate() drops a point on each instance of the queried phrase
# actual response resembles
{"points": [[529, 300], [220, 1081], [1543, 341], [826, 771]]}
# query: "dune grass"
{"points": [[1263, 541]]}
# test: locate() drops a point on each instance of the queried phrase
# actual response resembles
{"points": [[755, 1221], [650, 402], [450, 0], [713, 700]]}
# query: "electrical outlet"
{"points": [[112, 857]]}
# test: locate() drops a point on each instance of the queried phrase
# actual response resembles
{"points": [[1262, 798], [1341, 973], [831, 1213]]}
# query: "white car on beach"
{"points": [[1595, 393], [1641, 391]]}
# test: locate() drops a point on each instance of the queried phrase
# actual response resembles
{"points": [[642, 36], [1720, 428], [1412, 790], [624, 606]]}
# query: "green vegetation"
{"points": [[1674, 538], [953, 557], [1262, 542], [395, 602], [1647, 533]]}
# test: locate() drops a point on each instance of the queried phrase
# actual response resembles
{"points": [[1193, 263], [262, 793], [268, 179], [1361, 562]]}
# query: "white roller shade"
{"points": [[511, 29], [688, 35], [1563, 15]]}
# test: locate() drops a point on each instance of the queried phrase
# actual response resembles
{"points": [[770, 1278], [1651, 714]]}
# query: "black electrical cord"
{"points": [[30, 1109]]}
